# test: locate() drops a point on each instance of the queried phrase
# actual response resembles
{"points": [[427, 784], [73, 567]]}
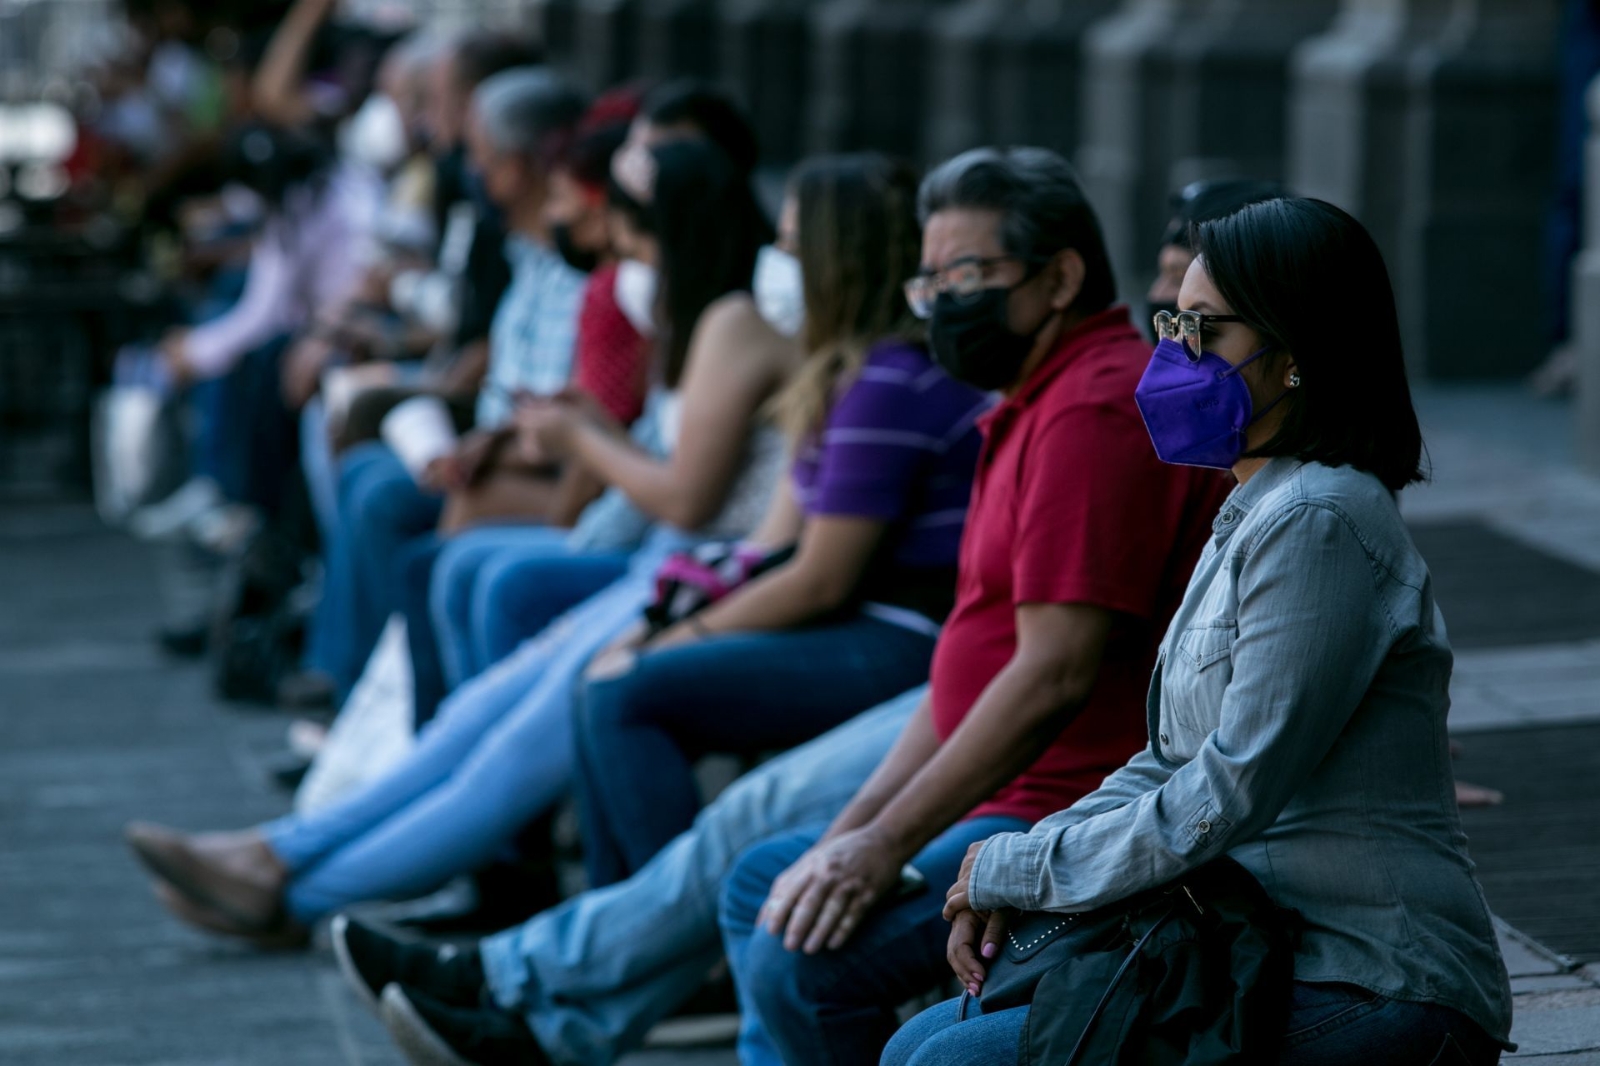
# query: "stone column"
{"points": [[677, 38], [1347, 110], [1478, 176], [557, 25], [1230, 77], [869, 64], [1586, 298], [604, 35], [1007, 72], [765, 60], [1126, 100]]}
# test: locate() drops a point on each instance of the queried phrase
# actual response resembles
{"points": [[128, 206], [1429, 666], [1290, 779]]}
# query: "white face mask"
{"points": [[375, 135], [635, 293], [779, 291]]}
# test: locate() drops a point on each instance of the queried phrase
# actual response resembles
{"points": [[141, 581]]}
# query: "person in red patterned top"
{"points": [[611, 361]]}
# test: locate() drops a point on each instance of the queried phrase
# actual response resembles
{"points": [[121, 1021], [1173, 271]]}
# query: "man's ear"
{"points": [[1068, 268]]}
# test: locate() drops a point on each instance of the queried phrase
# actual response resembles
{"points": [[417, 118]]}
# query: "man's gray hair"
{"points": [[1042, 206], [524, 110]]}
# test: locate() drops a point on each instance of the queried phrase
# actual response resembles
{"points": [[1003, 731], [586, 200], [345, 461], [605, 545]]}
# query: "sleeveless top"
{"points": [[614, 523]]}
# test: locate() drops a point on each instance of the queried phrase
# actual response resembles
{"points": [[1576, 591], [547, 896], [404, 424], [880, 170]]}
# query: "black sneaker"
{"points": [[431, 1033], [371, 959]]}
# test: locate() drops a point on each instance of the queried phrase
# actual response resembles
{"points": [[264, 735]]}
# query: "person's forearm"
{"points": [[917, 744], [277, 87], [649, 482], [467, 372], [1017, 717], [780, 599]]}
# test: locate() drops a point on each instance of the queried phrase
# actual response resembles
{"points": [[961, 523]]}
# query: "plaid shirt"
{"points": [[534, 331]]}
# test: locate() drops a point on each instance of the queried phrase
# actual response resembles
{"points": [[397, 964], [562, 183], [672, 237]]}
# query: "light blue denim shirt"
{"points": [[1297, 717]]}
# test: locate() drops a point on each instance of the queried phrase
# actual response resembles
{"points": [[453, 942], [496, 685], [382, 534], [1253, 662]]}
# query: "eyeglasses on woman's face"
{"points": [[1189, 328], [963, 279]]}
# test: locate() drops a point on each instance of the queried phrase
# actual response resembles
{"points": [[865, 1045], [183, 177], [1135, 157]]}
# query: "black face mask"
{"points": [[580, 259], [973, 341]]}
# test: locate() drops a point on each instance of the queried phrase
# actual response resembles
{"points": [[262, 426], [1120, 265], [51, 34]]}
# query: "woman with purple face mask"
{"points": [[1298, 706]]}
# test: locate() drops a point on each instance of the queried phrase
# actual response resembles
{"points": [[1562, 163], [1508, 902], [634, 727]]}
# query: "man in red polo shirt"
{"points": [[1078, 546]]}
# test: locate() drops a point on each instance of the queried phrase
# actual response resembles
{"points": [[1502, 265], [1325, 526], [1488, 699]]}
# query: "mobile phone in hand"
{"points": [[912, 883]]}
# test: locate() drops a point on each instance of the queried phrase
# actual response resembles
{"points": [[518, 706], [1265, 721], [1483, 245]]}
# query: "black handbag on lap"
{"points": [[1195, 972]]}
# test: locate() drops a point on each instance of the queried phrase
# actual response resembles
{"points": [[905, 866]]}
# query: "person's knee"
{"points": [[745, 888], [770, 978], [785, 988], [607, 705], [943, 1047], [390, 500], [496, 589]]}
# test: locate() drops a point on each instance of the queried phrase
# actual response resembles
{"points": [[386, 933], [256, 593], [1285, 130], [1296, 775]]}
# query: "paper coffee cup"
{"points": [[418, 432]]}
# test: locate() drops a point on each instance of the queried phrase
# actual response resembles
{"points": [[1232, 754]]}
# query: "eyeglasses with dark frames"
{"points": [[1187, 327], [962, 279]]}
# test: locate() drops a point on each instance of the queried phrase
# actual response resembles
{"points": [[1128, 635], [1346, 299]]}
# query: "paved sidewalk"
{"points": [[96, 728], [1505, 459]]}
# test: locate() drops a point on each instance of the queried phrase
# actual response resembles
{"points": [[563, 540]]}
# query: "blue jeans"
{"points": [[380, 509], [498, 754], [743, 694], [592, 975], [413, 573], [320, 468], [839, 1006], [937, 1037], [506, 583], [1329, 1025]]}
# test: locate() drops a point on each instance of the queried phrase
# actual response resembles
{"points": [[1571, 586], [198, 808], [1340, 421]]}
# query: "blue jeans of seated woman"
{"points": [[381, 508], [504, 584], [838, 1007], [1329, 1025], [498, 754], [639, 732], [551, 579]]}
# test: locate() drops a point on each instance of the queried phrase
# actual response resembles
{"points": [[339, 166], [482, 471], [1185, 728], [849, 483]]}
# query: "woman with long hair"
{"points": [[1299, 700], [885, 446]]}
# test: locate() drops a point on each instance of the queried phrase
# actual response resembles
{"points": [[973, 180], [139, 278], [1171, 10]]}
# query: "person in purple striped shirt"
{"points": [[885, 447]]}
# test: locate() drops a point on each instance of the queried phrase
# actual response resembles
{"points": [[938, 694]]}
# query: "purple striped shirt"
{"points": [[900, 445]]}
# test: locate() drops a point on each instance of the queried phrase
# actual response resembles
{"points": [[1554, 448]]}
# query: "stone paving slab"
{"points": [[95, 728], [1525, 686]]}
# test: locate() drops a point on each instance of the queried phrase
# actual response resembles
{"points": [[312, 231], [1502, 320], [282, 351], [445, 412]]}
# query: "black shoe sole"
{"points": [[417, 1040]]}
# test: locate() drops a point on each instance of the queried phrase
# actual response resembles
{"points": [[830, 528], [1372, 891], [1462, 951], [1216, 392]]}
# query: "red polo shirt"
{"points": [[1071, 505]]}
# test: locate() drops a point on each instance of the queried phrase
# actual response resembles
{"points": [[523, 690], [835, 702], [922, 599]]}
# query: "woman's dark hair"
{"points": [[1202, 201], [709, 229], [858, 243], [1312, 281], [272, 161], [709, 110], [602, 130], [587, 156]]}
